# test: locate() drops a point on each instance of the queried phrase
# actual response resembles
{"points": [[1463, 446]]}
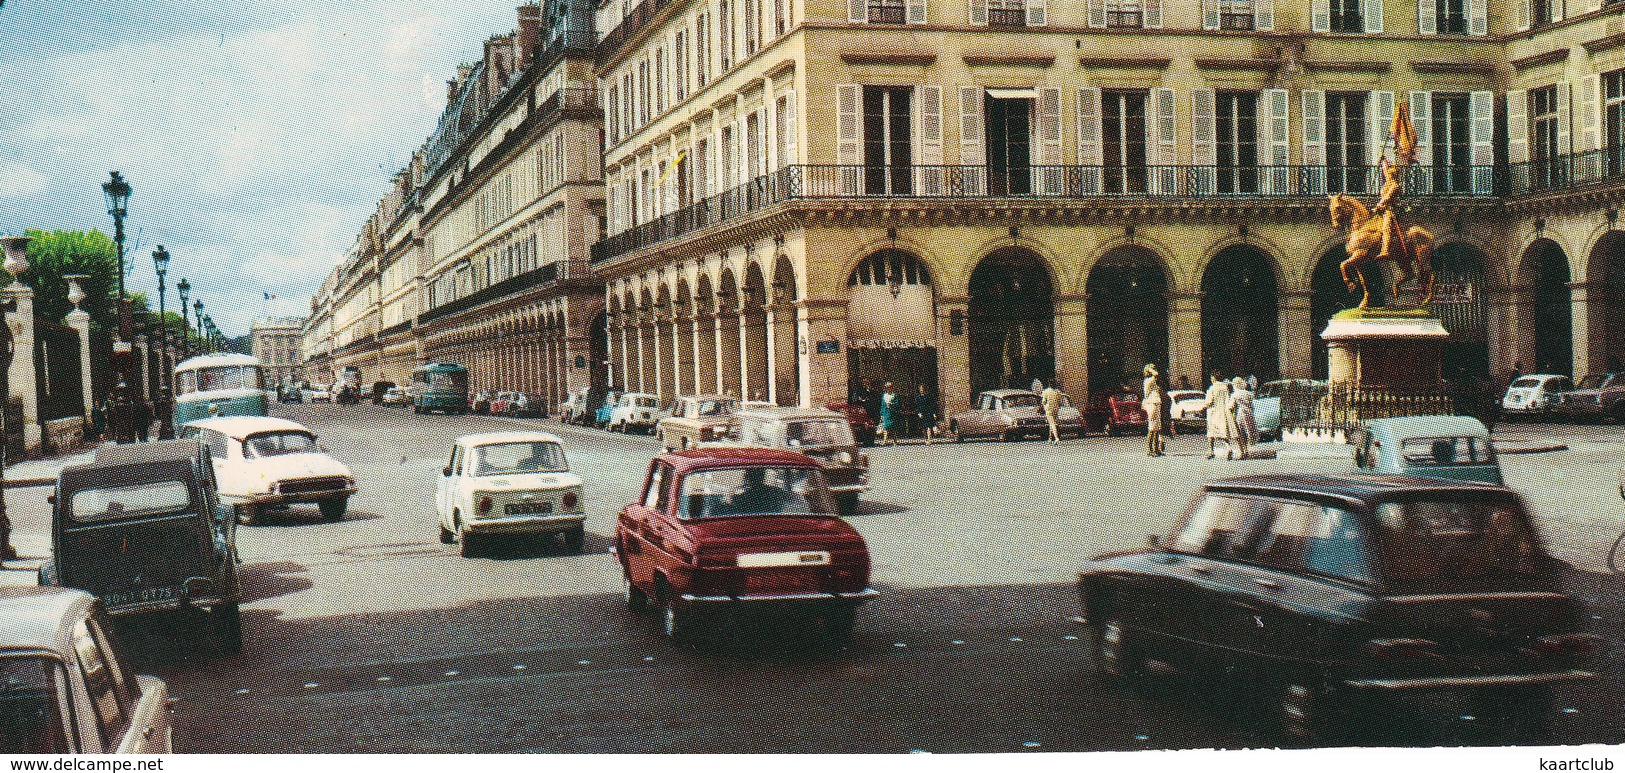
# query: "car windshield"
{"points": [[29, 719], [448, 382], [519, 458], [1525, 382], [714, 408], [1446, 451], [266, 444], [755, 491], [1433, 545], [829, 432], [143, 499], [1021, 401]]}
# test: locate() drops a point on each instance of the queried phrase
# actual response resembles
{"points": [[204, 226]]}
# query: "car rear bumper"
{"points": [[525, 524], [1429, 684], [850, 488], [787, 598], [167, 605]]}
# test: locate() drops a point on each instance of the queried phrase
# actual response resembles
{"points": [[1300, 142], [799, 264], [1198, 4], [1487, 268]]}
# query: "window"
{"points": [[818, 433], [755, 491], [1217, 526], [1236, 14], [1613, 119], [135, 501], [1006, 13], [660, 81], [680, 64], [753, 25], [886, 12], [1009, 145], [30, 707], [1125, 13], [1452, 156], [643, 93], [1445, 451], [1237, 142], [108, 697], [267, 444], [1545, 11], [725, 37], [519, 458], [1451, 17], [1544, 153], [781, 17], [1345, 143], [1123, 140], [1440, 546], [887, 135], [702, 50], [1346, 16], [655, 495]]}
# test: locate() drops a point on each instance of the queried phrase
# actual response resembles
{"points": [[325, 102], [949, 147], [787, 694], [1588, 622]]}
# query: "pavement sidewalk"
{"points": [[33, 545]]}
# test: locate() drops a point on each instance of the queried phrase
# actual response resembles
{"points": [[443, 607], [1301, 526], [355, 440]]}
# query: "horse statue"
{"points": [[1412, 252]]}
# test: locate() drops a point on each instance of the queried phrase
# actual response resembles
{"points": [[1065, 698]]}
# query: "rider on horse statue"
{"points": [[1407, 248]]}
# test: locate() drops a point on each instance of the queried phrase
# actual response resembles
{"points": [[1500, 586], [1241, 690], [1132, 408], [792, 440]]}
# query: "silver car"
{"points": [[64, 684], [1008, 414]]}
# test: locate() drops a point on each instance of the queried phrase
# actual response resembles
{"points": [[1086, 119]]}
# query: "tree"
{"points": [[57, 254]]}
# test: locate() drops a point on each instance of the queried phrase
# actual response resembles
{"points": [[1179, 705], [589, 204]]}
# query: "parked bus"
{"points": [[440, 386], [218, 385]]}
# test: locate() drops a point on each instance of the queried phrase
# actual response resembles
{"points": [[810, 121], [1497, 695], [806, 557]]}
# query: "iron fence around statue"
{"points": [[57, 376], [1341, 406]]}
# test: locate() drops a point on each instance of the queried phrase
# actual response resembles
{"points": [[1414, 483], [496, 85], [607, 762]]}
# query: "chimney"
{"points": [[498, 65], [530, 33]]}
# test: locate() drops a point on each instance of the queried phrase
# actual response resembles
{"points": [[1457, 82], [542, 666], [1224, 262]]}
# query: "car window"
{"points": [[1340, 546], [31, 692], [218, 443], [1592, 381], [755, 491], [1286, 542], [1434, 545], [1446, 451], [456, 460], [139, 500], [987, 403], [519, 458], [1021, 401], [1559, 384], [654, 495], [1526, 381], [827, 432], [648, 402], [758, 433], [1222, 526], [715, 407], [105, 698], [267, 444]]}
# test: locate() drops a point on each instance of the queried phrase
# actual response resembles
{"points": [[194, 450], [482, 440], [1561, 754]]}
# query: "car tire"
{"points": [[953, 432], [847, 503], [637, 602], [574, 539], [1308, 710], [1524, 711], [446, 536], [247, 515], [1118, 653], [227, 622], [838, 624], [334, 509], [471, 544]]}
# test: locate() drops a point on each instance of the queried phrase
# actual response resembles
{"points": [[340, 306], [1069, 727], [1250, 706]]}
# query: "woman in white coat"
{"points": [[1241, 404], [1221, 421]]}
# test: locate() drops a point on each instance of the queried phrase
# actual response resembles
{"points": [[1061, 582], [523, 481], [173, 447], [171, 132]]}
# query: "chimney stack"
{"points": [[530, 33]]}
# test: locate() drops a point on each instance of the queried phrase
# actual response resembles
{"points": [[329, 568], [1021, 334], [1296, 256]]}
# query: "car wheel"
{"points": [[446, 536], [637, 602], [1308, 710], [838, 625], [247, 515], [334, 509], [227, 621], [575, 538], [684, 444], [1525, 711], [471, 544], [1118, 653], [848, 503], [953, 432]]}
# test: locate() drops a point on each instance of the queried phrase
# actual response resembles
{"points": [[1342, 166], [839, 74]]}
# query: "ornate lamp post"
{"points": [[117, 193], [197, 314], [166, 430], [184, 289], [16, 249]]}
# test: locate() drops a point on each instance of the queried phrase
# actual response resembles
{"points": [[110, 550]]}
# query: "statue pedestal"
{"points": [[1395, 351]]}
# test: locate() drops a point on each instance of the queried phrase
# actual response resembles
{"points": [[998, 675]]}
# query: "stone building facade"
{"points": [[278, 343]]}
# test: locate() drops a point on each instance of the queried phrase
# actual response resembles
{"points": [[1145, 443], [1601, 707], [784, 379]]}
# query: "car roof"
{"points": [[1008, 392], [216, 360], [734, 456], [789, 413], [516, 436], [118, 455], [33, 618], [1428, 426], [708, 397], [240, 427], [1362, 489]]}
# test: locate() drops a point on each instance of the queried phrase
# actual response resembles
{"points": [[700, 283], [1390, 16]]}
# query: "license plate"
{"points": [[789, 558], [528, 508], [142, 596]]}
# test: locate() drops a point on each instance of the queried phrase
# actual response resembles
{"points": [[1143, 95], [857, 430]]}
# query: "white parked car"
{"points": [[1187, 406], [318, 393], [636, 410], [1533, 395], [397, 396], [264, 463], [509, 483]]}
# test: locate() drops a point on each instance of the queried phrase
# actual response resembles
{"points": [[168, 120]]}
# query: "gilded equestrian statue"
{"points": [[1376, 235]]}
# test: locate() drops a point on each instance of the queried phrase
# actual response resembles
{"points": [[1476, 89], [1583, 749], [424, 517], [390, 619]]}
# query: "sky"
{"points": [[257, 136]]}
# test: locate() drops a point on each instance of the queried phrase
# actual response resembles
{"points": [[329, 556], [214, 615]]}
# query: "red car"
{"points": [[1115, 413], [863, 425], [737, 530]]}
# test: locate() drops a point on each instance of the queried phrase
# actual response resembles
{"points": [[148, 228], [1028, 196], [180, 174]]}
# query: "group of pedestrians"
{"points": [[1228, 406], [893, 417]]}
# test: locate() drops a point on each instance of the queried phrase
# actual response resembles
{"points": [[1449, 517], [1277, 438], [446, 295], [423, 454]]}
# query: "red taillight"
{"points": [[485, 505], [1403, 649], [569, 500], [1568, 644]]}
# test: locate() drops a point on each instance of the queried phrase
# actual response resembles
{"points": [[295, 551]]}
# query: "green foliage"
{"points": [[57, 254]]}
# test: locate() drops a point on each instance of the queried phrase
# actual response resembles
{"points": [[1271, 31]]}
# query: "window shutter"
{"points": [[1273, 153], [1477, 18], [1314, 141], [978, 13], [972, 147], [1526, 12], [1481, 117], [1564, 137], [857, 11], [791, 151], [1089, 150], [1517, 124], [1210, 14], [1160, 143], [1427, 17], [1097, 13], [1050, 173], [1153, 14], [1421, 107], [916, 11], [1591, 112], [1204, 151], [1557, 10], [1037, 13], [928, 107], [1371, 10], [1264, 15], [849, 145], [1379, 116], [1320, 13]]}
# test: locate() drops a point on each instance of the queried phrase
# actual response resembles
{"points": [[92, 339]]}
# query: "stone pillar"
{"points": [[1072, 345], [730, 378], [623, 378], [1511, 338], [21, 378], [702, 339], [953, 355], [1295, 333], [824, 374], [754, 363], [140, 352], [1185, 337], [682, 367], [80, 322], [781, 343], [641, 332], [657, 350], [1584, 328]]}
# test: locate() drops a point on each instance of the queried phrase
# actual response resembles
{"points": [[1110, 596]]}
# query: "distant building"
{"points": [[278, 342]]}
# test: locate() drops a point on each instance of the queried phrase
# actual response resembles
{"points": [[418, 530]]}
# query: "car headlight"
{"points": [[846, 457]]}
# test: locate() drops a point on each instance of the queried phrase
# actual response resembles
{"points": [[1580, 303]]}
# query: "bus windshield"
{"points": [[444, 381], [217, 378]]}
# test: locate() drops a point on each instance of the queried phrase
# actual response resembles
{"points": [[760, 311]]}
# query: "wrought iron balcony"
{"points": [[634, 20]]}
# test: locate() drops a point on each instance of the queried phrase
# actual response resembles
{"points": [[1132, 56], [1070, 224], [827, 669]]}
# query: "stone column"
{"points": [[1511, 336], [781, 344], [1295, 333], [1584, 327], [824, 374], [21, 378], [623, 378], [657, 349], [80, 322], [730, 377], [953, 355], [1185, 337], [682, 367], [702, 339], [1072, 345], [642, 334]]}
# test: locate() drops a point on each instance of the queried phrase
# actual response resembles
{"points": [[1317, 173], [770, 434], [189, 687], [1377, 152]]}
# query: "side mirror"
{"points": [[445, 473], [1153, 540], [50, 499]]}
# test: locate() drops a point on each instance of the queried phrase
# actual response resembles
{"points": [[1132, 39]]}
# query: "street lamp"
{"points": [[184, 289], [16, 249], [197, 313], [166, 430], [117, 192]]}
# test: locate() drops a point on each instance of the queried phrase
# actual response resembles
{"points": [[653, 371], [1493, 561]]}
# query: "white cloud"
{"points": [[18, 181]]}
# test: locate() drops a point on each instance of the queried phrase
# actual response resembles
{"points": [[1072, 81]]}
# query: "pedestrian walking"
{"points": [[141, 412], [1221, 422], [1154, 403], [1241, 404], [1037, 385], [1050, 399], [925, 413], [888, 415]]}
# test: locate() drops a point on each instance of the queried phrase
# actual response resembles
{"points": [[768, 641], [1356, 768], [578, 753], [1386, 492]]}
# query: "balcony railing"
{"points": [[634, 19], [1566, 171], [567, 98], [886, 12], [568, 42]]}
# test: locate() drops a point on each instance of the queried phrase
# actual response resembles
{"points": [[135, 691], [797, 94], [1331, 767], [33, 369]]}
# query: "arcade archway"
{"points": [[1328, 295], [1240, 312], [1605, 303], [891, 323], [1546, 271], [1012, 321], [1458, 301], [1128, 317]]}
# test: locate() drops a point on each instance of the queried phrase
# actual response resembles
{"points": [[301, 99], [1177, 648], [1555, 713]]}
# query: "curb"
{"points": [[1527, 448]]}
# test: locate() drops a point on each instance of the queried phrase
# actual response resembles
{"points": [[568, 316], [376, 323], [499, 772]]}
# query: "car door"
{"points": [[446, 486], [638, 539], [1201, 576]]}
